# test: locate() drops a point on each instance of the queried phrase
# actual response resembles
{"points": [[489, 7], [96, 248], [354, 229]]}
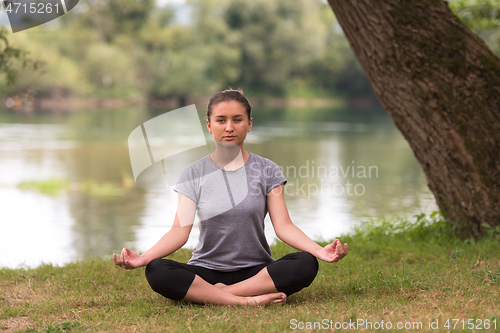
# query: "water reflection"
{"points": [[100, 209]]}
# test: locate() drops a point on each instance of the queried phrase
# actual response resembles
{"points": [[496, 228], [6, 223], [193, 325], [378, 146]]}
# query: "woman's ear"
{"points": [[208, 127], [250, 123]]}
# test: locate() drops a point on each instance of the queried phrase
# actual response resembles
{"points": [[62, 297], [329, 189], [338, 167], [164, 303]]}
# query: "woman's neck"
{"points": [[229, 158]]}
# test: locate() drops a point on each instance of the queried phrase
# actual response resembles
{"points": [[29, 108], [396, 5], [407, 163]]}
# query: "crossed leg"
{"points": [[180, 281], [270, 285], [203, 292], [259, 284]]}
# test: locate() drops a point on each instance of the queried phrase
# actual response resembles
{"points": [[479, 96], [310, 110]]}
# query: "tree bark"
{"points": [[441, 85]]}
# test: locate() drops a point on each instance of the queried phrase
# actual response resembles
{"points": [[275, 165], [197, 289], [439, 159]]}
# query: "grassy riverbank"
{"points": [[395, 272]]}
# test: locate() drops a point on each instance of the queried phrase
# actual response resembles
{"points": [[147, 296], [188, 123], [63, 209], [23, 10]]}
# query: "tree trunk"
{"points": [[441, 85]]}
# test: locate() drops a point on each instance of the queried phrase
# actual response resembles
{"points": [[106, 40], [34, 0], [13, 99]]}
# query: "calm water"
{"points": [[343, 167]]}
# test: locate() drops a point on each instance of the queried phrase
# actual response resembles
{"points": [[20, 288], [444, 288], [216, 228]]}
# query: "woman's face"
{"points": [[229, 123]]}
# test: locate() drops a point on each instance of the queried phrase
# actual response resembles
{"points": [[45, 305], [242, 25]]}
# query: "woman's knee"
{"points": [[294, 272], [169, 278], [155, 273], [307, 267]]}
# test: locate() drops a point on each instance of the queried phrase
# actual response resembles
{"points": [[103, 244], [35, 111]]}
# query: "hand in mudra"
{"points": [[129, 259], [333, 252]]}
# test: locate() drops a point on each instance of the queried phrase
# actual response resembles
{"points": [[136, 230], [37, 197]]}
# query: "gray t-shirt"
{"points": [[231, 206]]}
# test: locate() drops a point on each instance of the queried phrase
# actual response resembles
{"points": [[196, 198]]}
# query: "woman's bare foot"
{"points": [[220, 285], [267, 299]]}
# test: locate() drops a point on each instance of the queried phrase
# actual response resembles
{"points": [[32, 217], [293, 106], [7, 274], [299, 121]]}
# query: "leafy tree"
{"points": [[192, 60], [337, 70], [110, 71], [61, 75], [440, 83], [274, 38], [111, 17], [12, 59]]}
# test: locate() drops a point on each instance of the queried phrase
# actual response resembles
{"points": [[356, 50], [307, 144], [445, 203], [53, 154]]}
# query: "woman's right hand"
{"points": [[129, 259]]}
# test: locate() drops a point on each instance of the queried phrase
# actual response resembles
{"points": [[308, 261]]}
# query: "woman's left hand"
{"points": [[333, 252]]}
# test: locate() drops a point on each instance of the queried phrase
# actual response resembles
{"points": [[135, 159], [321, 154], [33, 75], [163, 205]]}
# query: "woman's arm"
{"points": [[293, 236], [173, 240]]}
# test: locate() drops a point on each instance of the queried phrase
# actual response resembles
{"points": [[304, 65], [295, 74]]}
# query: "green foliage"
{"points": [[109, 71], [12, 59], [482, 17], [274, 38], [478, 14], [61, 74], [129, 48], [112, 18], [491, 231], [107, 49], [433, 227], [6, 54]]}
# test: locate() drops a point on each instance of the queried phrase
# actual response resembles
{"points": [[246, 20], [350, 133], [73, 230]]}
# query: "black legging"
{"points": [[290, 274]]}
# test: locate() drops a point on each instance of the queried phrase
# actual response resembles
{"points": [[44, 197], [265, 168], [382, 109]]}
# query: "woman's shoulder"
{"points": [[263, 160], [264, 166]]}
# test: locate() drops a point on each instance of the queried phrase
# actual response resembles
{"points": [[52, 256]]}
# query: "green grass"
{"points": [[53, 186], [396, 271], [57, 186]]}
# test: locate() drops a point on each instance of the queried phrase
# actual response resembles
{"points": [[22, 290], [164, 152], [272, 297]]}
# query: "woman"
{"points": [[232, 191]]}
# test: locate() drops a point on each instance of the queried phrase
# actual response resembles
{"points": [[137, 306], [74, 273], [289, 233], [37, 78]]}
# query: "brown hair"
{"points": [[227, 96]]}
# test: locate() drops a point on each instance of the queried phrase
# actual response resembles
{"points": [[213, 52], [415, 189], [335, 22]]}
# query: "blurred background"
{"points": [[66, 186]]}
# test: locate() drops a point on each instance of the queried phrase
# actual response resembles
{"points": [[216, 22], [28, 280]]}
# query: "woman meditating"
{"points": [[231, 190]]}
